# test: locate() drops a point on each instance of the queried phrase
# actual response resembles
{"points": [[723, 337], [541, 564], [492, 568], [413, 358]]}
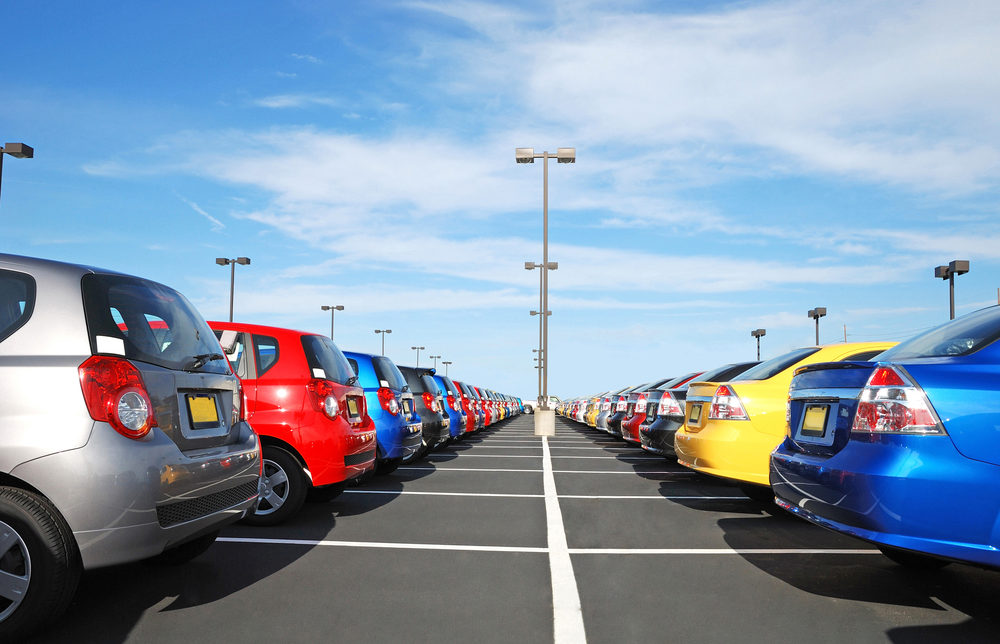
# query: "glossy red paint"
{"points": [[285, 404]]}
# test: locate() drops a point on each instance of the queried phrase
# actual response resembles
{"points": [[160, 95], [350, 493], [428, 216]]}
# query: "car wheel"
{"points": [[326, 493], [387, 466], [282, 489], [758, 493], [185, 552], [39, 563], [913, 560]]}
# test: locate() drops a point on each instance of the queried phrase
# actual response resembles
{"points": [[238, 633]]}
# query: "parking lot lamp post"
{"points": [[435, 358], [538, 365], [16, 150], [956, 267], [816, 314], [383, 332], [224, 261], [418, 353], [446, 363], [333, 308], [562, 155], [757, 333]]}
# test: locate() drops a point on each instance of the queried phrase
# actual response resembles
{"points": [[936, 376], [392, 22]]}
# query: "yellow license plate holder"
{"points": [[203, 410], [814, 420]]}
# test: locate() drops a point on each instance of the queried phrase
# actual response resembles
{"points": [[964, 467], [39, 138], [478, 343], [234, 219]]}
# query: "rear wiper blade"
{"points": [[202, 358], [353, 380]]}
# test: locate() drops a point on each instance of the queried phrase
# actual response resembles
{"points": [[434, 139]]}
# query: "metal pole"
{"points": [[1, 167], [817, 330], [232, 287], [951, 293], [758, 347], [383, 342], [540, 318], [331, 321], [545, 282]]}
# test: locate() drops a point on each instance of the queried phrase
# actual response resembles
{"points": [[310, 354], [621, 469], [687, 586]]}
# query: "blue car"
{"points": [[390, 404], [903, 452], [452, 405]]}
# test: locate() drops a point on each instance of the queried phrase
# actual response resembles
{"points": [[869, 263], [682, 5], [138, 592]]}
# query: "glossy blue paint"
{"points": [[392, 432]]}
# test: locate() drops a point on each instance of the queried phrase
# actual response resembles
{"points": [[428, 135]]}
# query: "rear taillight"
{"points": [[891, 403], [388, 400], [239, 403], [452, 402], [430, 401], [324, 397], [669, 406], [115, 394], [726, 405]]}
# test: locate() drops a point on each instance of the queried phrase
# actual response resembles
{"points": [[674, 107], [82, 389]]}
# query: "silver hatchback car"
{"points": [[121, 432]]}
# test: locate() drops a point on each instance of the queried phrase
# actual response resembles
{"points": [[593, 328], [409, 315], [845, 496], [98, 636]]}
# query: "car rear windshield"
{"points": [[449, 385], [726, 373], [774, 366], [324, 356], [428, 383], [387, 371], [960, 337], [17, 299], [148, 322]]}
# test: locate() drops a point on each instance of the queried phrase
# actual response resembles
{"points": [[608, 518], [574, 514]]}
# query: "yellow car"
{"points": [[593, 408], [730, 429]]}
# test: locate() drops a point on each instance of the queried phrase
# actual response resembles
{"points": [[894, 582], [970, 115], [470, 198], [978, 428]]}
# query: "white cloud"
{"points": [[306, 58], [284, 101], [216, 224]]}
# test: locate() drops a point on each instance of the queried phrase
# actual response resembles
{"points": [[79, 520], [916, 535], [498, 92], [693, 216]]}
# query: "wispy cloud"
{"points": [[306, 58], [217, 225], [284, 101]]}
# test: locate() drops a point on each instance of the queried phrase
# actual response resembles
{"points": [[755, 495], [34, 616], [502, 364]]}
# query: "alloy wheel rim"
{"points": [[273, 488], [15, 570]]}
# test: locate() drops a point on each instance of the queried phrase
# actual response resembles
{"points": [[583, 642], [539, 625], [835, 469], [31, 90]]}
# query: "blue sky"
{"points": [[738, 164]]}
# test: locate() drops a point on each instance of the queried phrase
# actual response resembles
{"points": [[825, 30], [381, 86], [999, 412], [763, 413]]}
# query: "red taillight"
{"points": [[726, 405], [388, 400], [891, 404], [452, 403], [115, 393], [429, 401], [669, 406], [324, 397]]}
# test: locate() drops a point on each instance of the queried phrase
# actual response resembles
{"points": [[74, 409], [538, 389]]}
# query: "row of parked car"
{"points": [[133, 429], [895, 444]]}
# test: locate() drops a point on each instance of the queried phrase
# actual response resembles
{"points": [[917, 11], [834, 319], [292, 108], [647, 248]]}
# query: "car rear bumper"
{"points": [[913, 492], [127, 500], [659, 437], [729, 449]]}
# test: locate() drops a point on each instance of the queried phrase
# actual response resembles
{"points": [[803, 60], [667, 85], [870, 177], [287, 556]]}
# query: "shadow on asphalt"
{"points": [[872, 578]]}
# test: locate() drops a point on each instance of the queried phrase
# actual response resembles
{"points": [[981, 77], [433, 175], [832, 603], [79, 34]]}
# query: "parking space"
{"points": [[508, 537]]}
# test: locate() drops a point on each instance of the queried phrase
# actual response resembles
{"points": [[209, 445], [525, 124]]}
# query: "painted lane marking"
{"points": [[571, 551], [620, 458], [567, 614], [561, 496], [508, 496], [376, 544], [500, 469]]}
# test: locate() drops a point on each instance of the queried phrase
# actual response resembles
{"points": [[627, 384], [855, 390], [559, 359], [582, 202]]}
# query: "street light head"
{"points": [[388, 330], [339, 307], [524, 155], [941, 271], [222, 261], [959, 266], [552, 266], [325, 307], [529, 266], [566, 155], [817, 312], [243, 260], [19, 150], [534, 312], [758, 332]]}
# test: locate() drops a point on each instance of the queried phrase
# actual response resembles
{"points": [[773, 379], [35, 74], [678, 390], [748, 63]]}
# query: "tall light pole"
{"points": [[562, 155], [223, 261], [816, 314], [956, 267], [538, 363], [419, 349], [16, 150], [757, 333], [435, 358], [446, 363], [332, 308], [382, 332]]}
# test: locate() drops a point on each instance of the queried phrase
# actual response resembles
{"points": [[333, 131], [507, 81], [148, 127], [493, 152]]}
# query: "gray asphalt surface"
{"points": [[454, 549]]}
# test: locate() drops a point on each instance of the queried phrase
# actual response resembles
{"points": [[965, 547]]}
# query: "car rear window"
{"points": [[449, 384], [428, 384], [774, 366], [960, 337], [323, 356], [17, 300], [147, 322], [387, 371], [726, 373]]}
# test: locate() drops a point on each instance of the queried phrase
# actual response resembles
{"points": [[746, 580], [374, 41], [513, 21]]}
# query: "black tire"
{"points": [[185, 552], [758, 493], [283, 489], [913, 560], [387, 466], [44, 553], [326, 493]]}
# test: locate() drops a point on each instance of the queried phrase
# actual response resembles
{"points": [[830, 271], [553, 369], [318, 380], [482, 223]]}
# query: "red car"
{"points": [[312, 420]]}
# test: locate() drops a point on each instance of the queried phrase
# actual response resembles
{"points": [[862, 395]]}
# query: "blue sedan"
{"points": [[903, 452]]}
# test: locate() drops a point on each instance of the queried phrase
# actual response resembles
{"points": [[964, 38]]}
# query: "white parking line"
{"points": [[376, 544], [569, 551], [508, 496], [561, 496], [719, 551], [500, 469], [567, 613], [654, 497], [620, 458]]}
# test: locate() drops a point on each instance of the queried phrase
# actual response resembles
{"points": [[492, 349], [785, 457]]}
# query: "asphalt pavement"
{"points": [[508, 537]]}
